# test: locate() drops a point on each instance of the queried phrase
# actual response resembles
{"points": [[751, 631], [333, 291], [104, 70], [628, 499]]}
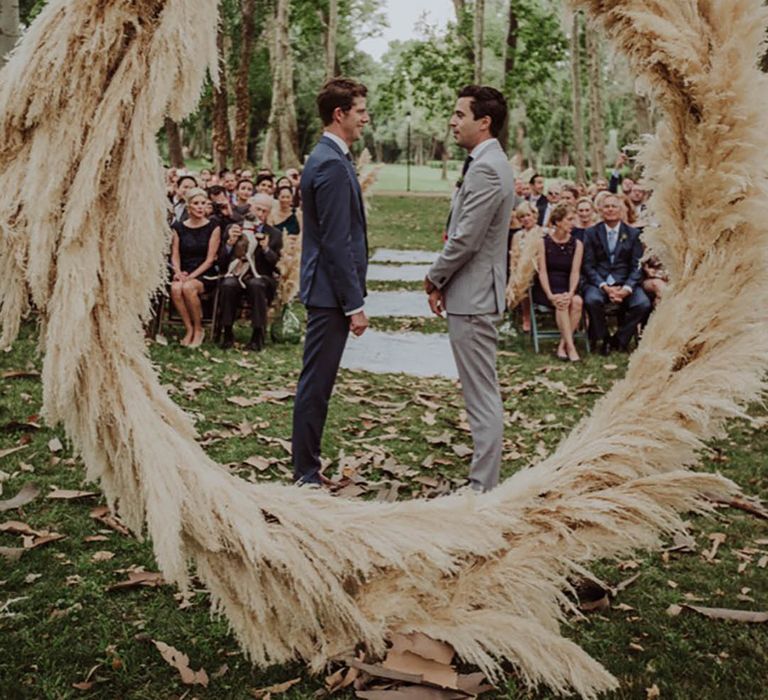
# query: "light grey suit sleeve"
{"points": [[481, 200]]}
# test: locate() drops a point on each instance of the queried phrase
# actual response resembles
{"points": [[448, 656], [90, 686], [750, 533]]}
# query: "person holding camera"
{"points": [[259, 283]]}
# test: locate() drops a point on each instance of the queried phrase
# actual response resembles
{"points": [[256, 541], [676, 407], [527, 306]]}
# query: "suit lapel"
{"points": [[352, 174], [602, 234]]}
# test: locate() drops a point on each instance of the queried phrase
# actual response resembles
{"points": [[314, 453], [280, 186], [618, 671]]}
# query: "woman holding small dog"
{"points": [[194, 248]]}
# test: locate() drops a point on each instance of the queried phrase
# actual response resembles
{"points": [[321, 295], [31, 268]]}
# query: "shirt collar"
{"points": [[477, 150], [341, 143]]}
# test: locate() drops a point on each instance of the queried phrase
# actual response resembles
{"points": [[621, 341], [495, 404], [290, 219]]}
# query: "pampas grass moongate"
{"points": [[301, 574]]}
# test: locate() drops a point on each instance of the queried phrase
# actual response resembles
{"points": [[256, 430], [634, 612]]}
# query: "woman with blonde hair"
{"points": [[522, 260], [194, 248], [559, 267]]}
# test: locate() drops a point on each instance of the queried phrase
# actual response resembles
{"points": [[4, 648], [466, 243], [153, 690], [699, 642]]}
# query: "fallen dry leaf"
{"points": [[147, 579], [717, 538], [11, 450], [180, 662], [412, 692], [462, 450], [28, 493], [749, 616], [259, 463], [428, 670], [104, 516], [68, 495], [19, 373], [102, 555], [274, 689], [652, 693], [54, 445], [11, 553]]}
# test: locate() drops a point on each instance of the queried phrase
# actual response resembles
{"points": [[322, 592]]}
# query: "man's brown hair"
{"points": [[338, 92]]}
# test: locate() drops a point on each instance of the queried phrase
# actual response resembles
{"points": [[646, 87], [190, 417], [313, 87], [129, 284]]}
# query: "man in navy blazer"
{"points": [[612, 253], [334, 260]]}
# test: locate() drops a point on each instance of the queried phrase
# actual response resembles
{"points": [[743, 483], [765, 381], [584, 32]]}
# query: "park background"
{"points": [[65, 632]]}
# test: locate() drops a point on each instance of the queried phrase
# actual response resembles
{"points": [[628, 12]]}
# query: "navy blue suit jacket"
{"points": [[334, 254], [625, 267]]}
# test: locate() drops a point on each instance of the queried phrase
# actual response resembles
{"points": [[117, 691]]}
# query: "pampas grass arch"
{"points": [[300, 574]]}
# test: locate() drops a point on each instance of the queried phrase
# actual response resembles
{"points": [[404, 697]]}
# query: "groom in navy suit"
{"points": [[334, 260], [612, 253]]}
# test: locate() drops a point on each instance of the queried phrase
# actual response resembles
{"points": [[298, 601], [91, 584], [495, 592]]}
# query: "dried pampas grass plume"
{"points": [[300, 574], [523, 264]]}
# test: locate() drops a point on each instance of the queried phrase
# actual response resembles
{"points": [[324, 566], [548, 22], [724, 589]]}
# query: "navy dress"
{"points": [[193, 247], [559, 259]]}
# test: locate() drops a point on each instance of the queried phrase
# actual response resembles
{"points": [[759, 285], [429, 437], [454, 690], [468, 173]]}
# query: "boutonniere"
{"points": [[623, 237], [459, 182]]}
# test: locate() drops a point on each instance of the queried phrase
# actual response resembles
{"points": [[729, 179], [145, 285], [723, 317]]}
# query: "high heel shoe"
{"points": [[197, 342]]}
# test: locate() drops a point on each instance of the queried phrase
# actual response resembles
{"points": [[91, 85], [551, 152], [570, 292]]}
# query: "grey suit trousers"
{"points": [[473, 341]]}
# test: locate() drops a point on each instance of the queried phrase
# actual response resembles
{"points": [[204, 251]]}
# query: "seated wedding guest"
{"points": [[538, 198], [205, 178], [569, 194], [257, 280], [265, 184], [612, 254], [601, 184], [184, 184], [553, 199], [522, 260], [194, 247], [586, 217], [284, 215], [223, 211], [627, 210], [247, 174], [229, 182], [638, 197], [171, 179], [655, 278], [295, 177], [243, 194], [559, 256]]}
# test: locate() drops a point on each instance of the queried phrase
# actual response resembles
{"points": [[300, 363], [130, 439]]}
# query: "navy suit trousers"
{"points": [[327, 333], [636, 308]]}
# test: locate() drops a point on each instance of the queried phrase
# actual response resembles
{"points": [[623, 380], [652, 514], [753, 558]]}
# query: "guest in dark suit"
{"points": [[538, 198], [612, 253], [259, 284], [334, 260]]}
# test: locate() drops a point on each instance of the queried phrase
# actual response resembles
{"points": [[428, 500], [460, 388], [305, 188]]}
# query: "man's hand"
{"points": [[616, 294], [233, 233], [358, 323], [263, 240], [436, 302], [429, 285], [621, 160]]}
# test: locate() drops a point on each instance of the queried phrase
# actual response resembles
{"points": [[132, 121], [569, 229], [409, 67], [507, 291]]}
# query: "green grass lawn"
{"points": [[59, 623], [393, 177]]}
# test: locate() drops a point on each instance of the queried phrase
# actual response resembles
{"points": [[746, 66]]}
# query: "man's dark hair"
{"points": [[264, 176], [533, 178], [186, 177], [242, 180], [215, 191], [487, 102], [224, 172], [338, 92]]}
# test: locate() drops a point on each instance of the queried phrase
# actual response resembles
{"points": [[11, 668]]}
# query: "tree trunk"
{"points": [[175, 151], [578, 128], [596, 108], [9, 27], [282, 133], [479, 39], [220, 135], [463, 26], [332, 28], [509, 56], [242, 91], [643, 112]]}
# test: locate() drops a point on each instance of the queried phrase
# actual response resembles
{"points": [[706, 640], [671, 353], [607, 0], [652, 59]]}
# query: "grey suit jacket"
{"points": [[471, 269]]}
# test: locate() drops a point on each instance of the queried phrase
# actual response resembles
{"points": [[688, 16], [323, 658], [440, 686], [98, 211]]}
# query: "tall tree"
{"points": [[331, 29], [221, 139], [578, 127], [242, 84], [479, 42], [9, 27], [282, 134], [175, 151], [596, 106]]}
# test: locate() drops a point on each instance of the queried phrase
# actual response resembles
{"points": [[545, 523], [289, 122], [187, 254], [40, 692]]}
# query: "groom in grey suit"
{"points": [[467, 281]]}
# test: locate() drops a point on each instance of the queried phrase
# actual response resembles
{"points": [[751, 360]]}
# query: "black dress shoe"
{"points": [[256, 342], [606, 347]]}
